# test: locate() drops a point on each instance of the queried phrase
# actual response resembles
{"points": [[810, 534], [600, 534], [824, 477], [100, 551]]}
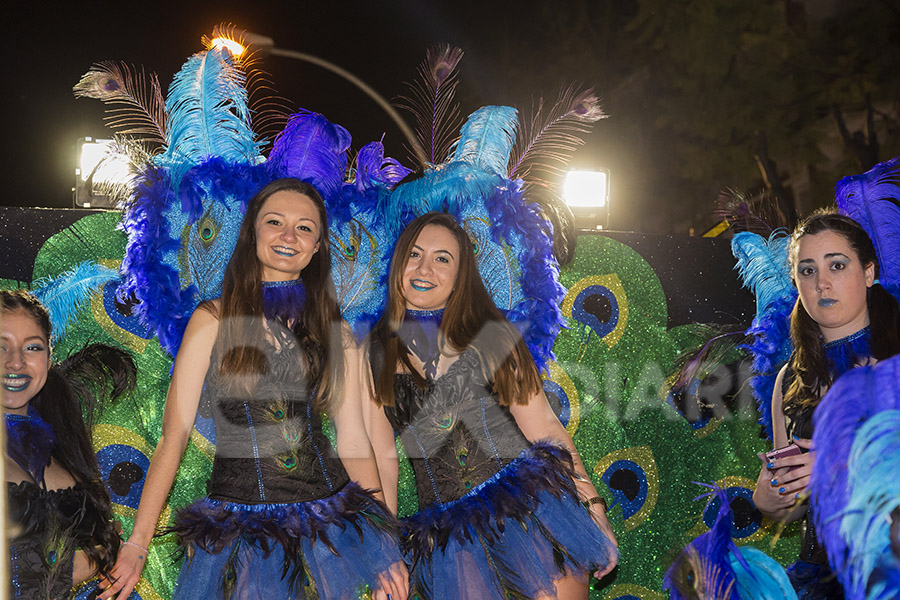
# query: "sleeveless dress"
{"points": [[499, 517], [282, 518], [810, 574], [45, 527]]}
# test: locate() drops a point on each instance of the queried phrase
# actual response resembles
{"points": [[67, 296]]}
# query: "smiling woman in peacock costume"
{"points": [[843, 319], [60, 520], [284, 517], [506, 507]]}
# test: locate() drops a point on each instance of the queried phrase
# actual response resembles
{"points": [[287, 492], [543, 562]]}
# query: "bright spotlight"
{"points": [[98, 165], [587, 194], [232, 45]]}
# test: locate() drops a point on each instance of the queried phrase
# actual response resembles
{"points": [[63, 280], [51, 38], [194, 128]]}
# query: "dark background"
{"points": [[691, 87]]}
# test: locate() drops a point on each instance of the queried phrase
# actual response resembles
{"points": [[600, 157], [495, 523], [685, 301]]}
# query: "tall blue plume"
{"points": [[486, 139], [858, 398], [208, 114], [763, 267], [873, 200], [65, 296], [313, 149]]}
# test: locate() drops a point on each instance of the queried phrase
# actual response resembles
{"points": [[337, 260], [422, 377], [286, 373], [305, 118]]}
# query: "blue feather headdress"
{"points": [[855, 470], [873, 200], [763, 267], [511, 238]]}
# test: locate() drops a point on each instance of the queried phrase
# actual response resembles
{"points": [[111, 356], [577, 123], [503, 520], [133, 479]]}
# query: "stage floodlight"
{"points": [[587, 194], [98, 165]]}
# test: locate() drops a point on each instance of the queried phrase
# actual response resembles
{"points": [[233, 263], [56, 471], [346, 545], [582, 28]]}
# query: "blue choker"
{"points": [[29, 442], [419, 334], [848, 352], [284, 300]]}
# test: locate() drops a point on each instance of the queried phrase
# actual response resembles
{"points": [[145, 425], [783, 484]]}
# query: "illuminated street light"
{"points": [[242, 41], [98, 167], [587, 194]]}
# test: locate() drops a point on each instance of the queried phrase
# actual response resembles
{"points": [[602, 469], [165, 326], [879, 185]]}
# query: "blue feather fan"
{"points": [[487, 138]]}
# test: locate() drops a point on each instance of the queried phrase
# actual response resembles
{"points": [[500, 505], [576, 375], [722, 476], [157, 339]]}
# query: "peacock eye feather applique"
{"points": [[445, 421], [207, 229], [462, 456], [287, 462]]}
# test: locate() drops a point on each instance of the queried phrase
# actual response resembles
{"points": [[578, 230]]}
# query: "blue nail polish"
{"points": [[774, 482], [389, 597], [781, 490], [770, 465], [797, 496]]}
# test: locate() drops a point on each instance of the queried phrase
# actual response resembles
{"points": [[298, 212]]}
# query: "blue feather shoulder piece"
{"points": [[873, 200], [65, 296], [487, 138]]}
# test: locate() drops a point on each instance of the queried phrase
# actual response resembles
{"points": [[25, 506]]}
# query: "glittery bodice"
{"points": [[270, 447], [45, 528], [453, 429]]}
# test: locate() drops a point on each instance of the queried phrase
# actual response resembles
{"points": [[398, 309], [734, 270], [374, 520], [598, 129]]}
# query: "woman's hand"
{"points": [[598, 514], [394, 585], [125, 573], [779, 486]]}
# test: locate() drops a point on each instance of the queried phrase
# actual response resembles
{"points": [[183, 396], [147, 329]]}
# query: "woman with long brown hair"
{"points": [[506, 508], [843, 319], [60, 526], [284, 517]]}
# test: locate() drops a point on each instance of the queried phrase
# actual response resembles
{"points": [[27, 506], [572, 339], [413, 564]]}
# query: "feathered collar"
{"points": [[848, 352], [283, 300], [29, 442], [419, 335]]}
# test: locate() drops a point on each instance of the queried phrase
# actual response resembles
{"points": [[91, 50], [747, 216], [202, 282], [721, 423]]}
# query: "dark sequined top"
{"points": [[45, 528], [453, 429], [270, 447]]}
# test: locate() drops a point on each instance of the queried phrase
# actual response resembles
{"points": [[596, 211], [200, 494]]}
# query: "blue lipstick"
{"points": [[826, 302], [23, 382], [420, 288]]}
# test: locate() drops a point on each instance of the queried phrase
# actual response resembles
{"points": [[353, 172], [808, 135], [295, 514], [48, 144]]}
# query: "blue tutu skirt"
{"points": [[514, 535], [333, 548]]}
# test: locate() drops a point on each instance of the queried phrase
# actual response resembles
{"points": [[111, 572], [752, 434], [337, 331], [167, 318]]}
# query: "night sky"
{"points": [[380, 42]]}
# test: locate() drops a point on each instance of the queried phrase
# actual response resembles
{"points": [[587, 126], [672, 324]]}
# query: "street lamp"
{"points": [[247, 40], [99, 168], [587, 194]]}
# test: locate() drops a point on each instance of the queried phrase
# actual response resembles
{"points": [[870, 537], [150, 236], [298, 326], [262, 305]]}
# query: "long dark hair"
{"points": [[469, 311], [808, 362], [241, 331], [58, 404]]}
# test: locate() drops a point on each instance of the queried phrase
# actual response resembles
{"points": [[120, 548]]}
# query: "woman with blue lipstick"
{"points": [[843, 318], [60, 527], [506, 509], [284, 517]]}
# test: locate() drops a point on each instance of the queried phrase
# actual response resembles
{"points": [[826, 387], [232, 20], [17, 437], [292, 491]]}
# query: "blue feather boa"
{"points": [[508, 496], [29, 442]]}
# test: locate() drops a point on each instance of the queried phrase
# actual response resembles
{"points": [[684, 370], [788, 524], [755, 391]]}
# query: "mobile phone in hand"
{"points": [[783, 452]]}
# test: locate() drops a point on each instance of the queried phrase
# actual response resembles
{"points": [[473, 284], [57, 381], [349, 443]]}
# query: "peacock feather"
{"points": [[551, 135], [139, 109], [431, 100]]}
